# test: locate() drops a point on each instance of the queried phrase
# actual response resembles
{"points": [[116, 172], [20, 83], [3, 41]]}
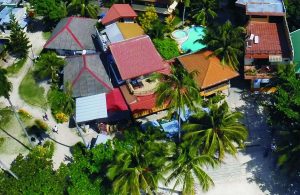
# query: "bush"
{"points": [[16, 67], [49, 145], [61, 117], [41, 125], [167, 48], [1, 141], [24, 114]]}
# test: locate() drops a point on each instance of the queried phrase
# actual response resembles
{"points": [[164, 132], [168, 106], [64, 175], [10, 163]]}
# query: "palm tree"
{"points": [[186, 3], [177, 90], [187, 167], [206, 11], [5, 89], [217, 131], [84, 8], [69, 104], [226, 42], [138, 169]]}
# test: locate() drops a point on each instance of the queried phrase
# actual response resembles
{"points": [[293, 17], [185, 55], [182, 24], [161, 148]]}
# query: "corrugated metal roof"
{"points": [[91, 108], [113, 33], [263, 8]]}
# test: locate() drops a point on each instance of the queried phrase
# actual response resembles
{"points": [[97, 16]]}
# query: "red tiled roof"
{"points": [[272, 40], [115, 101], [143, 103], [118, 11], [136, 57]]}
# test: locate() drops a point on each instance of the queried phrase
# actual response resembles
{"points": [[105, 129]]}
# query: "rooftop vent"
{"points": [[256, 39]]}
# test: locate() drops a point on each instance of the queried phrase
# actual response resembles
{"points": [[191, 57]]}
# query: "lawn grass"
{"points": [[16, 67], [31, 92], [5, 117], [46, 35]]}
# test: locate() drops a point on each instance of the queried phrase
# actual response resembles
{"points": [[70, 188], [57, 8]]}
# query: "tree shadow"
{"points": [[48, 137], [15, 139], [262, 167]]}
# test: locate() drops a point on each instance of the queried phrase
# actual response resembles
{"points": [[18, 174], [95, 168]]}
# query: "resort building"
{"points": [[268, 42], [295, 36], [87, 75], [117, 32], [131, 63], [119, 13], [212, 76], [73, 36]]}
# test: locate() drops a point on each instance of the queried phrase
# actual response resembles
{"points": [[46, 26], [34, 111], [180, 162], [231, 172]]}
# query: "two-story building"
{"points": [[267, 43]]}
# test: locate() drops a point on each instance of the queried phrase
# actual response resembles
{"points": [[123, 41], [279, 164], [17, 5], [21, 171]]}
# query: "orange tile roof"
{"points": [[130, 30], [210, 70]]}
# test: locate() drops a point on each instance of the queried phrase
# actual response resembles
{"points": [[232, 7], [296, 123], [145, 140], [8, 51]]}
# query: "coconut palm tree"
{"points": [[186, 3], [69, 104], [5, 89], [177, 90], [205, 11], [140, 168], [226, 42], [187, 166], [85, 8], [217, 131]]}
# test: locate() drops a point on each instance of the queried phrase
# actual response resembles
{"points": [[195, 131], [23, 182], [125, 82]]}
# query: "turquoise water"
{"points": [[190, 45], [179, 34]]}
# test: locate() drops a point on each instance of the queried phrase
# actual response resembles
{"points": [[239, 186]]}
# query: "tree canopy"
{"points": [[147, 19], [167, 48]]}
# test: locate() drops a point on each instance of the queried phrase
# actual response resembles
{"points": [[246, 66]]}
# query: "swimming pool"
{"points": [[194, 33], [179, 36]]}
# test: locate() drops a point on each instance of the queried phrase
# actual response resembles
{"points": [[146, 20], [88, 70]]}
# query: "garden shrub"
{"points": [[41, 125], [61, 117], [49, 145], [167, 48], [24, 114]]}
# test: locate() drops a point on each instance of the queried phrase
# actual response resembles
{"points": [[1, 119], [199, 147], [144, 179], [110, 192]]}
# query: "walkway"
{"points": [[66, 137]]}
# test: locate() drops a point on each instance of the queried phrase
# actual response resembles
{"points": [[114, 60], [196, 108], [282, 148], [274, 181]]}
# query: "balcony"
{"points": [[264, 72], [142, 87]]}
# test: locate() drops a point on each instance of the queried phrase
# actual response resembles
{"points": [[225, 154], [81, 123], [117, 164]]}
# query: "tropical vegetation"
{"points": [[205, 12], [19, 42], [85, 8], [167, 48], [216, 131], [177, 90], [226, 42], [293, 14], [148, 19]]}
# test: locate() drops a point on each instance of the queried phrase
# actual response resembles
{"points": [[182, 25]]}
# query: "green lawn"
{"points": [[46, 35], [16, 67], [5, 116], [31, 93]]}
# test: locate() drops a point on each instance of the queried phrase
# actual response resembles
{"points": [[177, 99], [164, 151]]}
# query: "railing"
{"points": [[265, 72], [147, 88]]}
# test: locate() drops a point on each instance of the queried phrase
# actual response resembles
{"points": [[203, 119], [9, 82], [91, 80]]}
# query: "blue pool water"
{"points": [[179, 34], [190, 45]]}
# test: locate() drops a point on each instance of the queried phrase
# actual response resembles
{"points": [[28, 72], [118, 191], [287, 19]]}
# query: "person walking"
{"points": [[55, 129]]}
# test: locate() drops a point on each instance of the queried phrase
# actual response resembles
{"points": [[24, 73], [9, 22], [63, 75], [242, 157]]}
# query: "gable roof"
{"points": [[136, 57], [118, 11], [210, 70], [87, 75], [73, 33]]}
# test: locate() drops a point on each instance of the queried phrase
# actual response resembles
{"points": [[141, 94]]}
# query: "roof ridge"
{"points": [[207, 69]]}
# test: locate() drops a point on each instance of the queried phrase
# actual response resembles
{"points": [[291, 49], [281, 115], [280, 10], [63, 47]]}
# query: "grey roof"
{"points": [[262, 6], [91, 108], [73, 33], [87, 75], [113, 33], [9, 2]]}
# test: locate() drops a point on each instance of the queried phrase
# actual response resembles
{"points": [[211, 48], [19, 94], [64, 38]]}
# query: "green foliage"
{"points": [[167, 48], [85, 8], [6, 115], [186, 167], [31, 92], [46, 35], [216, 132], [41, 125], [226, 42], [50, 147], [206, 11], [16, 67], [293, 14], [52, 10], [35, 173], [2, 139], [19, 42], [6, 86], [148, 19], [61, 102], [47, 66]]}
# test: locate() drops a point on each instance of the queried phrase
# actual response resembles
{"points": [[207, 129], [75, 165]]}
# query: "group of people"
{"points": [[55, 128]]}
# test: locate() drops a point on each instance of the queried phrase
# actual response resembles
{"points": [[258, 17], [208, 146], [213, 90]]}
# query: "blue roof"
{"points": [[113, 33], [263, 6], [6, 11], [20, 14], [91, 108]]}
